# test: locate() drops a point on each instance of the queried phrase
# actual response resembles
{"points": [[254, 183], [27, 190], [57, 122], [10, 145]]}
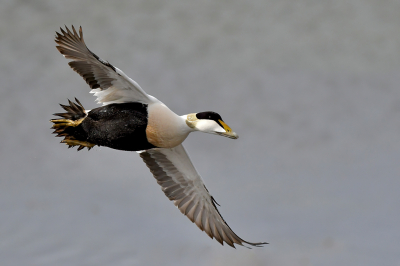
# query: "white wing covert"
{"points": [[182, 184], [108, 83]]}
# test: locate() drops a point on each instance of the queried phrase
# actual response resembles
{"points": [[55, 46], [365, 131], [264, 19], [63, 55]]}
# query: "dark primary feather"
{"points": [[96, 72], [111, 85]]}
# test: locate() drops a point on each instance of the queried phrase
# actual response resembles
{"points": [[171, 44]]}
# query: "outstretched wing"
{"points": [[182, 184], [108, 83]]}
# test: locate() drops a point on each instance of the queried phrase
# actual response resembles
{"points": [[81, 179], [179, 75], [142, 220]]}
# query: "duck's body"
{"points": [[127, 126], [119, 126], [132, 120]]}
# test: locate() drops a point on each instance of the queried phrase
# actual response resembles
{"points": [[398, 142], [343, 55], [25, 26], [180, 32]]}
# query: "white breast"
{"points": [[165, 129]]}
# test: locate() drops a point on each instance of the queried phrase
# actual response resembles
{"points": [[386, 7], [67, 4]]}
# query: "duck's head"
{"points": [[210, 122]]}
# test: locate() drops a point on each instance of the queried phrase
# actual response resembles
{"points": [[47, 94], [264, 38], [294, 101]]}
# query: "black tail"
{"points": [[68, 126], [74, 111]]}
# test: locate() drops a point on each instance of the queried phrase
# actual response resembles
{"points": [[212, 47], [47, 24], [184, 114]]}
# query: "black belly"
{"points": [[118, 126]]}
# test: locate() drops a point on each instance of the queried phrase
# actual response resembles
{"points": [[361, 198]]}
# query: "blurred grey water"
{"points": [[311, 87]]}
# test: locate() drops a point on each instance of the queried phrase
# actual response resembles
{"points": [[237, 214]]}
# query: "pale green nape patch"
{"points": [[191, 120]]}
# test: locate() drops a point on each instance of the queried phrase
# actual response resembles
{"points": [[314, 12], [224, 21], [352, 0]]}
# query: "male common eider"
{"points": [[132, 120]]}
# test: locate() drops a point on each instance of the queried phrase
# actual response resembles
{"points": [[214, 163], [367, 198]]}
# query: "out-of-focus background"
{"points": [[311, 87]]}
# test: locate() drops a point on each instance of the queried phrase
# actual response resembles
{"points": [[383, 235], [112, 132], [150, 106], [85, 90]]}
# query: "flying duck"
{"points": [[131, 120]]}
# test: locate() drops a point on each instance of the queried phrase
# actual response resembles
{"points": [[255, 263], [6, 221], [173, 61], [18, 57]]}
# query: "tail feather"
{"points": [[74, 111], [67, 127]]}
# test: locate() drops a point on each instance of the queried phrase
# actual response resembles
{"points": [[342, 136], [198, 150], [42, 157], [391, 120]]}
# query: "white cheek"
{"points": [[209, 126]]}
